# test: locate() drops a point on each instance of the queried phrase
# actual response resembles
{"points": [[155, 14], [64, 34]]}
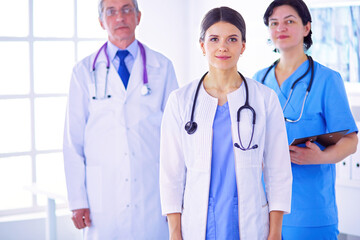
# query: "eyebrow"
{"points": [[289, 16], [232, 35], [126, 5]]}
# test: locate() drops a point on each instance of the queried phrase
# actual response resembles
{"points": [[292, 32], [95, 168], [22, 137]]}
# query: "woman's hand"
{"points": [[275, 222], [174, 221], [311, 154]]}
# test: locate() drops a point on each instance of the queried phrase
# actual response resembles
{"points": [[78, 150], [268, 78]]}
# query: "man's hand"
{"points": [[81, 218]]}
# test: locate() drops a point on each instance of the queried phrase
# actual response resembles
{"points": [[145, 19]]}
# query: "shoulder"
{"points": [[260, 74], [261, 95], [187, 92], [155, 58], [86, 62], [259, 87], [326, 74]]}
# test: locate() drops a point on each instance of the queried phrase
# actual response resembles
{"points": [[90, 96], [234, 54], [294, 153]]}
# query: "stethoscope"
{"points": [[191, 126], [145, 90], [311, 66]]}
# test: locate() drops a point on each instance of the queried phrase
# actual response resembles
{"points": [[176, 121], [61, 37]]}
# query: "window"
{"points": [[39, 49]]}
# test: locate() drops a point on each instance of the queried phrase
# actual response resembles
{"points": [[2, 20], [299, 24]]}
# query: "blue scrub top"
{"points": [[326, 110], [222, 217]]}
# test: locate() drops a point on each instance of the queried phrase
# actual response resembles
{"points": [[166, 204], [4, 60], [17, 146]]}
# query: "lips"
{"points": [[222, 57], [283, 37], [119, 27]]}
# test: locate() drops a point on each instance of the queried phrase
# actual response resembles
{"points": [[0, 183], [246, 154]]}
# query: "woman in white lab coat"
{"points": [[211, 159]]}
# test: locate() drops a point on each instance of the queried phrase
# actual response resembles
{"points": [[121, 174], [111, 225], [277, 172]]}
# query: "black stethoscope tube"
{"points": [[191, 126]]}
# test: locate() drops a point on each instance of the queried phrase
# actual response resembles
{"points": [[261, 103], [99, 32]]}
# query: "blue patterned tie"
{"points": [[123, 71]]}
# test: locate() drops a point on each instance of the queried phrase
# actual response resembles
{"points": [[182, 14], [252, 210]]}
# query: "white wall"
{"points": [[163, 27]]}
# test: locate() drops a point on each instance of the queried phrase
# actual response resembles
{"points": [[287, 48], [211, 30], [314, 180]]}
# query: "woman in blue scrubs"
{"points": [[217, 140], [326, 109]]}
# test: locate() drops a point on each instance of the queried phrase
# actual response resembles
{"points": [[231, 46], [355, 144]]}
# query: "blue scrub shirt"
{"points": [[222, 217], [326, 110]]}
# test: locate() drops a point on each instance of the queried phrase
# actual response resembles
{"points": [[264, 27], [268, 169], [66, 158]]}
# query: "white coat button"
{"points": [[126, 179], [127, 205], [125, 154], [134, 179]]}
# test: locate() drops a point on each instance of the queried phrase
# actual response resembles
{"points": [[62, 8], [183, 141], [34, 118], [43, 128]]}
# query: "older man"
{"points": [[111, 142]]}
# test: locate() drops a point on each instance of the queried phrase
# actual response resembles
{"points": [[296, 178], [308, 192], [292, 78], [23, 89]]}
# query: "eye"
{"points": [[110, 12], [127, 10], [273, 24], [213, 39], [290, 21], [233, 39]]}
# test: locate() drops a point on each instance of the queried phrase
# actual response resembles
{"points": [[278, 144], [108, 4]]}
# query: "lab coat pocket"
{"points": [[94, 188]]}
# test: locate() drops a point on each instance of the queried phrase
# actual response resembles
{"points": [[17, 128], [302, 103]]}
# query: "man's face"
{"points": [[119, 19]]}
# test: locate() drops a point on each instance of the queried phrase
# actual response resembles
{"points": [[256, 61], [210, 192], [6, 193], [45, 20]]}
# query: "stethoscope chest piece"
{"points": [[145, 90], [190, 127]]}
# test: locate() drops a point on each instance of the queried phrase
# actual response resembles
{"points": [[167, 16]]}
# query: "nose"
{"points": [[223, 46], [119, 16], [281, 27]]}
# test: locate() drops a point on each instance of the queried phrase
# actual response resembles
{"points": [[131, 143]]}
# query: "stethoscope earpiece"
{"points": [[190, 127]]}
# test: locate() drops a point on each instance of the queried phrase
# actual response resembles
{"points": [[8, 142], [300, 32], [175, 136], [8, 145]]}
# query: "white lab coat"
{"points": [[185, 160], [111, 147]]}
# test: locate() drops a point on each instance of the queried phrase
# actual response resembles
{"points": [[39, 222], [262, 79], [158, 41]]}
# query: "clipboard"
{"points": [[326, 139]]}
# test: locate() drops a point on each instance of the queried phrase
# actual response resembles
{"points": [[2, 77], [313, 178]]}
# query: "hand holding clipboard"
{"points": [[326, 139]]}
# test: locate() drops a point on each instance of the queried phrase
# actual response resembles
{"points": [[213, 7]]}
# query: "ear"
{"points": [[138, 17], [202, 47], [243, 47], [101, 23], [307, 29]]}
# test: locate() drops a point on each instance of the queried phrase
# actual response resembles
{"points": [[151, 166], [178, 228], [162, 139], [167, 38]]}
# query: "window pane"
{"points": [[88, 19], [85, 48], [49, 122], [53, 18], [14, 25], [15, 173], [14, 81], [15, 125], [53, 63], [50, 175]]}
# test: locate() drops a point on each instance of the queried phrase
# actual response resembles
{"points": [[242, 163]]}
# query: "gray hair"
{"points": [[101, 7]]}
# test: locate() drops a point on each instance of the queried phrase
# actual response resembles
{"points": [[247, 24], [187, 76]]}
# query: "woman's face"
{"points": [[286, 28], [222, 45]]}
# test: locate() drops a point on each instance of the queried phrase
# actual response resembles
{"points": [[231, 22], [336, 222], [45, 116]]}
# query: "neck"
{"points": [[291, 60], [222, 80], [122, 43]]}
